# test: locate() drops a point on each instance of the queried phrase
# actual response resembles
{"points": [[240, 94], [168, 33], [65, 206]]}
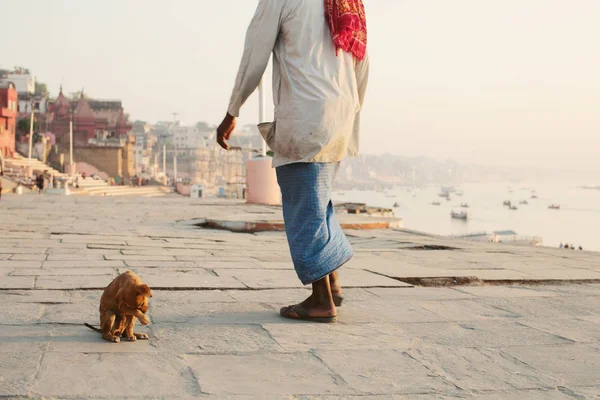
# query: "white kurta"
{"points": [[317, 95]]}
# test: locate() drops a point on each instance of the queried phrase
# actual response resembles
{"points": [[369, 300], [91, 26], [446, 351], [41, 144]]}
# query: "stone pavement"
{"points": [[527, 326]]}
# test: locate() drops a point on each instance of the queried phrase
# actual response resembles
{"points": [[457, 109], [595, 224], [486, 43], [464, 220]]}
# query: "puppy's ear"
{"points": [[143, 290]]}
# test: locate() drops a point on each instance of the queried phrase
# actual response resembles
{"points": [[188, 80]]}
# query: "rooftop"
{"points": [[423, 317]]}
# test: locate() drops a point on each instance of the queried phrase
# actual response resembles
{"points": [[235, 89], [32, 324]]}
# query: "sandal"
{"points": [[302, 315]]}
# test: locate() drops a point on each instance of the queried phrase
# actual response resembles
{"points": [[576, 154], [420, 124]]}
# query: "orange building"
{"points": [[9, 100]]}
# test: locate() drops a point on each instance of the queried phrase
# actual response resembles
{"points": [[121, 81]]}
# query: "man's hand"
{"points": [[225, 130]]}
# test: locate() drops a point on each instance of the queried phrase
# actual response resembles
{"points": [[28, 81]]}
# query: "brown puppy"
{"points": [[124, 300]]}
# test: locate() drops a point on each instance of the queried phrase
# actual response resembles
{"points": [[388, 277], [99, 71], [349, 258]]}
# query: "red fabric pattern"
{"points": [[348, 23]]}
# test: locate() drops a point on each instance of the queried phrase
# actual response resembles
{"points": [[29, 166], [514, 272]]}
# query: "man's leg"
{"points": [[336, 288]]}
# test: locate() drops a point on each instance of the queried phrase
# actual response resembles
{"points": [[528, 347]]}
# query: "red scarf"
{"points": [[348, 23]]}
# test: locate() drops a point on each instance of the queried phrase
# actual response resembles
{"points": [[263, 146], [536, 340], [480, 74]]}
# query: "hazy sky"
{"points": [[485, 81]]}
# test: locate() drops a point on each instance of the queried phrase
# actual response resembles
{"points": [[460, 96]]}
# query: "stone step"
{"points": [[125, 191]]}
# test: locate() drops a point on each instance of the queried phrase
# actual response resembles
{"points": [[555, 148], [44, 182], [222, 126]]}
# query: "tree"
{"points": [[204, 126], [75, 95], [23, 126], [41, 88]]}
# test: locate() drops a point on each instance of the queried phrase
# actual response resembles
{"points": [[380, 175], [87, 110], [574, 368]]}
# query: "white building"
{"points": [[24, 83], [25, 86], [190, 137], [39, 101]]}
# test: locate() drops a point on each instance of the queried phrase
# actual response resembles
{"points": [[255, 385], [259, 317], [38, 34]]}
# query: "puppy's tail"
{"points": [[93, 328]]}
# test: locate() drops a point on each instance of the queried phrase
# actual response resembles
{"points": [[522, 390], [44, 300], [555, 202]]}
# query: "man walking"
{"points": [[320, 72]]}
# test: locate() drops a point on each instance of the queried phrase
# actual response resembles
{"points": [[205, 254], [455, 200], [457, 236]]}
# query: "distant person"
{"points": [[561, 245], [1, 172], [580, 248], [39, 182], [320, 73]]}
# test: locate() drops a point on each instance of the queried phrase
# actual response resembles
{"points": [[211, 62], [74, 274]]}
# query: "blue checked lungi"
{"points": [[317, 243]]}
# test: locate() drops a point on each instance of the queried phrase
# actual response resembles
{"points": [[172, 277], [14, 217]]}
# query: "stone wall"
{"points": [[113, 160], [106, 159]]}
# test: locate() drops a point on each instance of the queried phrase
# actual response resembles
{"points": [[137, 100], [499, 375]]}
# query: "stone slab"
{"points": [[79, 374], [214, 313], [192, 281], [569, 365], [590, 393], [420, 293], [480, 369], [546, 307], [76, 257], [80, 339], [74, 282], [525, 394], [507, 292], [386, 312], [24, 338], [173, 297], [83, 264], [160, 264], [34, 296], [212, 339], [262, 374], [487, 333], [17, 371], [464, 310], [261, 279], [63, 271], [123, 257], [216, 265], [16, 282], [22, 250], [20, 264], [28, 257], [70, 314], [20, 313], [575, 329], [293, 337], [383, 372]]}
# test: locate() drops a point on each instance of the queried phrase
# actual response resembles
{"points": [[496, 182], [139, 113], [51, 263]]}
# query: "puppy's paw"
{"points": [[144, 320], [132, 338], [116, 339], [142, 336]]}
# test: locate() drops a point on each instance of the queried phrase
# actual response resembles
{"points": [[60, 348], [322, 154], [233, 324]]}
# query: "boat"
{"points": [[464, 205], [534, 196], [448, 189], [436, 203], [444, 194], [396, 205], [507, 203], [554, 206], [513, 208], [524, 202], [459, 215]]}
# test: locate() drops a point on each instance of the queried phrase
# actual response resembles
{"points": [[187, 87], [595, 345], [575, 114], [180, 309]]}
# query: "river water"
{"points": [[577, 222]]}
